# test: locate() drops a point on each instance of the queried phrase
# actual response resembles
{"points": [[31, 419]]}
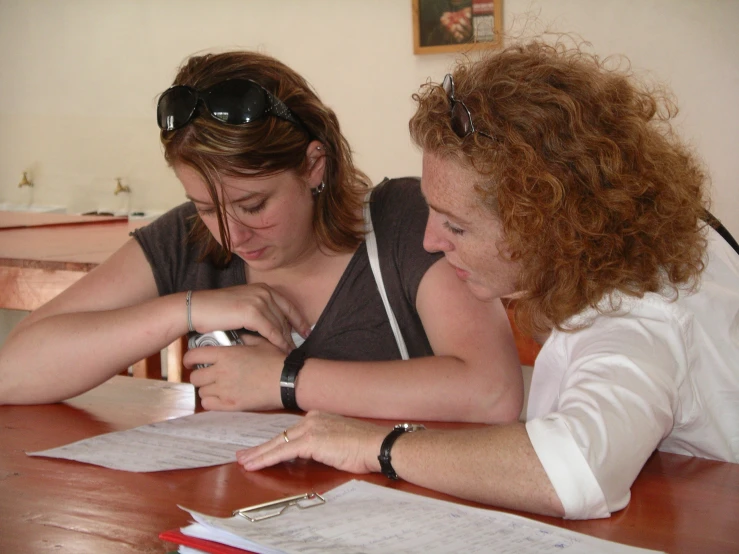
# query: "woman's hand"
{"points": [[344, 443], [238, 378], [256, 307]]}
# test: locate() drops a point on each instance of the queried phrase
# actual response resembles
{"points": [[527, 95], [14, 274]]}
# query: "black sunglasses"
{"points": [[233, 102], [458, 112]]}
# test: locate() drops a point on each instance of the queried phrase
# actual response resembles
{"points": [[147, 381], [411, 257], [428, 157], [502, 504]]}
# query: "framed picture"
{"points": [[456, 25]]}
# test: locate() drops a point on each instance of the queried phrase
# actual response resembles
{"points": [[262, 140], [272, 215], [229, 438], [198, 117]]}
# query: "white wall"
{"points": [[80, 79]]}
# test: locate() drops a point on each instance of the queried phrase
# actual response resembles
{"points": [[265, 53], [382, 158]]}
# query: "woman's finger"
{"points": [[202, 377], [263, 316], [284, 310], [272, 452], [285, 326], [294, 318], [203, 355], [276, 443], [252, 339]]}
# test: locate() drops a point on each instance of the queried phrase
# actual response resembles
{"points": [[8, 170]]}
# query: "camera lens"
{"points": [[206, 340]]}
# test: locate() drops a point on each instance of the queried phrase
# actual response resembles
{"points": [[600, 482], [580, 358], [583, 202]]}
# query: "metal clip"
{"points": [[277, 507]]}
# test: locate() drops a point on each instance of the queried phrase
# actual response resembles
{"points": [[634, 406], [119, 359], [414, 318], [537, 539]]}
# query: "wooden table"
{"points": [[38, 262], [679, 504], [19, 220], [43, 254]]}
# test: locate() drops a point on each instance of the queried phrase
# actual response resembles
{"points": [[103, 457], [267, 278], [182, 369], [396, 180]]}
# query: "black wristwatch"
{"points": [[293, 364], [385, 466]]}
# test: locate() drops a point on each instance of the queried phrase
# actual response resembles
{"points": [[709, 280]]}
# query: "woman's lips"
{"points": [[461, 273], [253, 255]]}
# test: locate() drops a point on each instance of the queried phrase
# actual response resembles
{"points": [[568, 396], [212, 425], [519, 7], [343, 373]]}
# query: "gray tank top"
{"points": [[354, 324]]}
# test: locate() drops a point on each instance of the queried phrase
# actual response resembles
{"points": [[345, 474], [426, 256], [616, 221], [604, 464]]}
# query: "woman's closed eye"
{"points": [[253, 209], [454, 229], [205, 211]]}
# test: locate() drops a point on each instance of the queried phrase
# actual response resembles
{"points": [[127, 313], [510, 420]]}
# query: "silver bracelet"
{"points": [[188, 303]]}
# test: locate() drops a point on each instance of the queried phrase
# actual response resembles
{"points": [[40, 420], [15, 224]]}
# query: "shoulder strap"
{"points": [[374, 260]]}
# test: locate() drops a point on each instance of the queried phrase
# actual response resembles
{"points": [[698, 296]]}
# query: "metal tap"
{"points": [[119, 188], [25, 182]]}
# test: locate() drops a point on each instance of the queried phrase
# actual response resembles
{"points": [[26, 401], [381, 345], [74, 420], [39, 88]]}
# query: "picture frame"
{"points": [[441, 26]]}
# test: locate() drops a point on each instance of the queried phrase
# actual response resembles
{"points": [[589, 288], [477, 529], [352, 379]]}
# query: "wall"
{"points": [[80, 80]]}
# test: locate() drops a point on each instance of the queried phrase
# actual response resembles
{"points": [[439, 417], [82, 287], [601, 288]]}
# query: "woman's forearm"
{"points": [[494, 465], [56, 357], [439, 388]]}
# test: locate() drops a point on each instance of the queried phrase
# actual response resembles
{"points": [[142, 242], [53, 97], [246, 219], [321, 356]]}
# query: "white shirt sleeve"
{"points": [[573, 481], [613, 403]]}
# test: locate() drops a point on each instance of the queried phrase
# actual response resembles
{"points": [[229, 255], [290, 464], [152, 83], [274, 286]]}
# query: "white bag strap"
{"points": [[374, 260]]}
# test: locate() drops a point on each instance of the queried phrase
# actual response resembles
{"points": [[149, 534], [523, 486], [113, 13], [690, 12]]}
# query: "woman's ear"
{"points": [[316, 155]]}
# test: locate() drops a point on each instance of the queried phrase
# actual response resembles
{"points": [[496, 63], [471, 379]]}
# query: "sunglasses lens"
{"points": [[461, 120], [175, 108], [448, 86], [237, 102]]}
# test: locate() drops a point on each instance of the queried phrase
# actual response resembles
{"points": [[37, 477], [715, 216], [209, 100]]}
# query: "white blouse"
{"points": [[658, 374]]}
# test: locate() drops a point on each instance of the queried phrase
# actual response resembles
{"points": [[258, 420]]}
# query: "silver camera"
{"points": [[214, 338]]}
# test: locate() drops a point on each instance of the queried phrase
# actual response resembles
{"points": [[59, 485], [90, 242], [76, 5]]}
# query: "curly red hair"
{"points": [[594, 191]]}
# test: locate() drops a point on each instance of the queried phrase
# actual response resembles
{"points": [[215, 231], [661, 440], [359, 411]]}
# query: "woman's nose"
{"points": [[432, 239], [239, 232]]}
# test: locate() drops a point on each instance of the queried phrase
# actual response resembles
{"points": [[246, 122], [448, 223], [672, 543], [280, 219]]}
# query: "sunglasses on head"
{"points": [[233, 102], [459, 113]]}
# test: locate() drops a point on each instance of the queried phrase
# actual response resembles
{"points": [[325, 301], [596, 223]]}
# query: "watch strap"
{"points": [[386, 466], [293, 364]]}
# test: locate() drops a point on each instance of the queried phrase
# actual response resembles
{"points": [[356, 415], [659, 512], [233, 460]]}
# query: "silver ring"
{"points": [[284, 436]]}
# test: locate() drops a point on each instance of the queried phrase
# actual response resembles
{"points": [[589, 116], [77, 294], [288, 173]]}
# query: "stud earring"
{"points": [[319, 189]]}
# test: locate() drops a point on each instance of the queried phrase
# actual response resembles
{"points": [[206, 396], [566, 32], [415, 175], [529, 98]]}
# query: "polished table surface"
{"points": [[37, 262], [72, 242], [20, 219], [678, 504]]}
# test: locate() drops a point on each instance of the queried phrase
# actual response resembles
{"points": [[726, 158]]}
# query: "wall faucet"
{"points": [[119, 188], [25, 182]]}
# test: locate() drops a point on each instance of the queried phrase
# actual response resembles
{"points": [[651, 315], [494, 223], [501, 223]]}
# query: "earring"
{"points": [[319, 189]]}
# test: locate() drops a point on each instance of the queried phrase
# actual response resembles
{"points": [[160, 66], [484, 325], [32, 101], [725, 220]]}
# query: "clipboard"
{"points": [[254, 514], [400, 521], [275, 508], [210, 547]]}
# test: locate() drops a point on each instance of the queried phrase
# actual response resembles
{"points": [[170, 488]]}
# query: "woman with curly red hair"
{"points": [[553, 176]]}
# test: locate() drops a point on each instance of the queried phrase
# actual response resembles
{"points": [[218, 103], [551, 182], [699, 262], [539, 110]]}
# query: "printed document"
{"points": [[198, 440], [359, 517]]}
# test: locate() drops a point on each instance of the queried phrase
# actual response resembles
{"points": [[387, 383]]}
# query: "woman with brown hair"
{"points": [[274, 240], [553, 176]]}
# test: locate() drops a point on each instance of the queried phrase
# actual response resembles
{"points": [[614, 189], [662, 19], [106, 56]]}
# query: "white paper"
{"points": [[360, 517], [188, 550], [198, 440]]}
